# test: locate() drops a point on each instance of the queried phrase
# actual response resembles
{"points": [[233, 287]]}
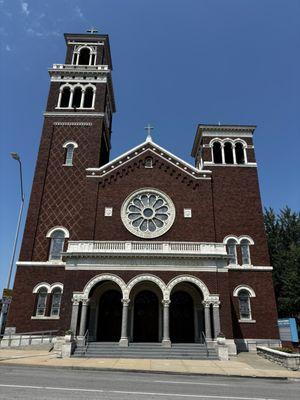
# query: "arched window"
{"points": [[88, 97], [244, 304], [69, 154], [228, 153], [239, 153], [56, 244], [55, 302], [65, 97], [84, 56], [245, 250], [149, 162], [231, 251], [77, 97], [41, 301], [217, 153]]}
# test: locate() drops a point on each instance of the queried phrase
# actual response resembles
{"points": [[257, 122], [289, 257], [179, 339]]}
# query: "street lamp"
{"points": [[6, 298], [16, 157]]}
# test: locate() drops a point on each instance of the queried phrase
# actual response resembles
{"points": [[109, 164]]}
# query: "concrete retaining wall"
{"points": [[287, 360]]}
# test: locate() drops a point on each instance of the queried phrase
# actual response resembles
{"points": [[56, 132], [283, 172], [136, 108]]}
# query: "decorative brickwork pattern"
{"points": [[62, 201]]}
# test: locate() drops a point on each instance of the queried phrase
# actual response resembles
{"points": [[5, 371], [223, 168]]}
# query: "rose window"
{"points": [[148, 213]]}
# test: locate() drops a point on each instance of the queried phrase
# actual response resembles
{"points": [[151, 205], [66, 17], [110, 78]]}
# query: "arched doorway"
{"points": [[182, 328], [110, 316], [145, 319]]}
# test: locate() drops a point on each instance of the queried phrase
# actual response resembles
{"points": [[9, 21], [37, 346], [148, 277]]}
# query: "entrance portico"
{"points": [[145, 310]]}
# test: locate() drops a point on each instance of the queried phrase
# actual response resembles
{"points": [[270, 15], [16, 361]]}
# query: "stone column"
{"points": [[74, 316], [207, 319], [166, 342], [124, 335], [233, 153], [223, 153], [94, 98], [59, 98], [197, 311], [216, 317], [84, 307], [71, 98], [82, 98]]}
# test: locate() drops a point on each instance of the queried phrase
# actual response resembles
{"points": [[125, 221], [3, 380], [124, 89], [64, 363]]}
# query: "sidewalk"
{"points": [[244, 365]]}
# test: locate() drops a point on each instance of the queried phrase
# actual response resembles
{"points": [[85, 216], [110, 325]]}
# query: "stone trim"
{"points": [[143, 268], [188, 278], [248, 165], [149, 278], [247, 321], [72, 114], [243, 287], [72, 123], [49, 288], [58, 228], [156, 150], [104, 277]]}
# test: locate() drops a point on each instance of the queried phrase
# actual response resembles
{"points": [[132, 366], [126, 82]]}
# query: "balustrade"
{"points": [[217, 249]]}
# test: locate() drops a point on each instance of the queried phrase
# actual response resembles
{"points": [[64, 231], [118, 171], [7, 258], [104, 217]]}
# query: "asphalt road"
{"points": [[49, 383]]}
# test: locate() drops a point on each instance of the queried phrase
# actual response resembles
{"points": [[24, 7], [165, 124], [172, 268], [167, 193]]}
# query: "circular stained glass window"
{"points": [[148, 213]]}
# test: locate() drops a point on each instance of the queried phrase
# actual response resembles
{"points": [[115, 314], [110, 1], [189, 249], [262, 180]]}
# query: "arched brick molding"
{"points": [[149, 278], [191, 279], [101, 278]]}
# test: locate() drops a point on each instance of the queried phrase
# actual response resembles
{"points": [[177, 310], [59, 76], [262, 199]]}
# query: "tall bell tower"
{"points": [[76, 135]]}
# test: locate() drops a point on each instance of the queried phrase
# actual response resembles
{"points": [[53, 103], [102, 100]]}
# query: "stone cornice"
{"points": [[73, 114]]}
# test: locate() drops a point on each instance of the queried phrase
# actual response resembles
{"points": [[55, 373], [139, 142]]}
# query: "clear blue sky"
{"points": [[176, 63]]}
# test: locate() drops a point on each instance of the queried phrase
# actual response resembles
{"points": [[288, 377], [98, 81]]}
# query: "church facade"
{"points": [[146, 247]]}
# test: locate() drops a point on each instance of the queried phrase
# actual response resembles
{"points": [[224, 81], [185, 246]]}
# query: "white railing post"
{"points": [[128, 246]]}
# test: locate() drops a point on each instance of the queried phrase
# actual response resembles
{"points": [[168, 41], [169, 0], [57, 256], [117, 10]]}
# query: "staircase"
{"points": [[188, 351]]}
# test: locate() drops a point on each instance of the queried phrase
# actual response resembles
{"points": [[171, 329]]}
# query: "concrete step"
{"points": [[192, 351]]}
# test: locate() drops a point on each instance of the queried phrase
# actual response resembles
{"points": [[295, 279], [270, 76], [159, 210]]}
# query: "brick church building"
{"points": [[146, 247]]}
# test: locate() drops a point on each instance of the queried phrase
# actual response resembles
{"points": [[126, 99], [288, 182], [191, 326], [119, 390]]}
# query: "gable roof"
{"points": [[146, 146]]}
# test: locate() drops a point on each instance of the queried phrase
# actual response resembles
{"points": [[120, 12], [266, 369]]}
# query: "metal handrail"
{"points": [[85, 341], [35, 335], [205, 342]]}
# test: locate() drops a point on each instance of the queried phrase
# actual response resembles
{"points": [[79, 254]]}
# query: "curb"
{"points": [[143, 371], [19, 357]]}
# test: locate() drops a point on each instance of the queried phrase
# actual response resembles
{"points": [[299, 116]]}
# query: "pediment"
{"points": [[152, 149]]}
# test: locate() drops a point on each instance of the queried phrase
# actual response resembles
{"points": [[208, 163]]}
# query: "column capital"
{"points": [[75, 301], [85, 302], [206, 303], [125, 302], [166, 303], [214, 300]]}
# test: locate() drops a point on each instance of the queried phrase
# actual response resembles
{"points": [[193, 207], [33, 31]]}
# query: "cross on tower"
{"points": [[92, 30], [148, 129]]}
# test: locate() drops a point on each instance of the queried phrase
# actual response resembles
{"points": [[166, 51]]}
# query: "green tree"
{"points": [[283, 232]]}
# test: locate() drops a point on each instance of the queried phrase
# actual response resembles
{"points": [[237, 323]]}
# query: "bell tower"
{"points": [[76, 135], [82, 87]]}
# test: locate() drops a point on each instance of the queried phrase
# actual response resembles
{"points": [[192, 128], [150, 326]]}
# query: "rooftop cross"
{"points": [[148, 128], [92, 30]]}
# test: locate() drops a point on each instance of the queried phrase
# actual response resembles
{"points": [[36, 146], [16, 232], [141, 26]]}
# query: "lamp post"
{"points": [[7, 297], [16, 157]]}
